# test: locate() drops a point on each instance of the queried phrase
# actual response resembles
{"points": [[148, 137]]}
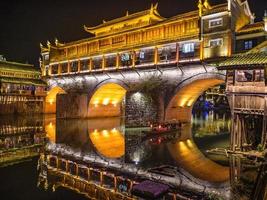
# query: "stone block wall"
{"points": [[72, 105], [140, 109]]}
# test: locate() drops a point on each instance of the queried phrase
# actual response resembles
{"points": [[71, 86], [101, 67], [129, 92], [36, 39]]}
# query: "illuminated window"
{"points": [[188, 48], [215, 22], [167, 53], [126, 59], [248, 44], [216, 42]]}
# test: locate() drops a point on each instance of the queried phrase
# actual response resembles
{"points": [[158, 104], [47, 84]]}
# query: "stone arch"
{"points": [[51, 99], [180, 105], [106, 99]]}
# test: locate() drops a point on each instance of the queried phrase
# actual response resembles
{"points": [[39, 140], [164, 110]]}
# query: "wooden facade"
{"points": [[246, 91], [146, 38]]}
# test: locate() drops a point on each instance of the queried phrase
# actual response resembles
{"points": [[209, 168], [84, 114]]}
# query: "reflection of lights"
{"points": [[189, 143], [114, 130], [50, 125], [95, 132], [106, 101], [182, 146]]}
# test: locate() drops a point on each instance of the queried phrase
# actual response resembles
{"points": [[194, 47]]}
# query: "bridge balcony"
{"points": [[147, 57]]}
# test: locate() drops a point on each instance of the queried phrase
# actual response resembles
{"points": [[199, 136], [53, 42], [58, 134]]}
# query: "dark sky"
{"points": [[26, 23]]}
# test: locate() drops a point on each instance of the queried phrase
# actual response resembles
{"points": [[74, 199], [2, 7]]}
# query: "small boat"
{"points": [[163, 128]]}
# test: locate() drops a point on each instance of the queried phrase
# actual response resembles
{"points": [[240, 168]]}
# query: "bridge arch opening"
{"points": [[51, 99], [181, 104], [107, 101]]}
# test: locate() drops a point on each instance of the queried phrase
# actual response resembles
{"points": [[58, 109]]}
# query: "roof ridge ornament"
{"points": [[200, 7], [153, 8], [207, 5]]}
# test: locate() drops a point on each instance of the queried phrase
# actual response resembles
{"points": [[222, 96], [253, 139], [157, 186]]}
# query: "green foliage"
{"points": [[260, 148]]}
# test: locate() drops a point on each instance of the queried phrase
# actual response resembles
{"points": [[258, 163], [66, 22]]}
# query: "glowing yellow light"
{"points": [[50, 125], [106, 101], [95, 132], [189, 143], [183, 102], [114, 130], [51, 101], [182, 146], [190, 102], [115, 103], [105, 133]]}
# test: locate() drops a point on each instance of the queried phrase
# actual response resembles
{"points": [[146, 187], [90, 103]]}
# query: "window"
{"points": [[64, 67], [216, 42], [188, 48], [215, 22], [74, 66], [145, 56], [84, 65], [97, 63], [244, 75], [167, 53], [111, 61], [126, 59], [248, 44]]}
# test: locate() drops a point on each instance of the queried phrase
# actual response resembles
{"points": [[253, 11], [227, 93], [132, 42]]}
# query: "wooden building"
{"points": [[21, 88], [246, 86], [146, 38]]}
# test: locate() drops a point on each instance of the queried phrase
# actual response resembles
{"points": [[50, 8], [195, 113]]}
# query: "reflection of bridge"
{"points": [[108, 140], [142, 64]]}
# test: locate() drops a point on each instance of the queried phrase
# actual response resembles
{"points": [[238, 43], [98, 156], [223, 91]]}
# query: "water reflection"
{"points": [[109, 139], [20, 138]]}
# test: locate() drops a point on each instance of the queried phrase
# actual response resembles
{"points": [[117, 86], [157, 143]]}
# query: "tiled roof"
{"points": [[36, 82], [242, 60], [6, 65], [256, 27], [215, 9]]}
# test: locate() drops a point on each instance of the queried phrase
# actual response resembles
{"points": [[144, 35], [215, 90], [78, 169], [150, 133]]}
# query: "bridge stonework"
{"points": [[139, 103]]}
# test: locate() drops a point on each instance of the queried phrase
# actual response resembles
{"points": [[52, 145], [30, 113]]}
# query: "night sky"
{"points": [[24, 24]]}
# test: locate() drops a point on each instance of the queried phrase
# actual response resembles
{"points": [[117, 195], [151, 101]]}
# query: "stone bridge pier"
{"points": [[141, 95]]}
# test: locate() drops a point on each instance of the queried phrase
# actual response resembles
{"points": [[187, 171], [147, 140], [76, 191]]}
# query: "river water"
{"points": [[109, 140]]}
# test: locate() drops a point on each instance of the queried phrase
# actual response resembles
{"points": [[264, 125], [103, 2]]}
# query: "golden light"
{"points": [[189, 143], [188, 155], [187, 95], [106, 101], [109, 92], [51, 101], [105, 133], [110, 143]]}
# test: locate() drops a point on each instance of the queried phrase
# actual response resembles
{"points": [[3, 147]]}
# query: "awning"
{"points": [[22, 81], [150, 189], [251, 60]]}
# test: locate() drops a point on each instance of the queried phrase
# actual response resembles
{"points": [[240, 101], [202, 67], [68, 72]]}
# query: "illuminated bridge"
{"points": [[142, 65]]}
